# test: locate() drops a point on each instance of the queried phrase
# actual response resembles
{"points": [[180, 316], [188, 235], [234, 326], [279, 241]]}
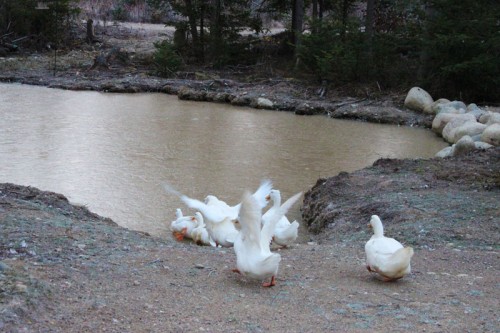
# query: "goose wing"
{"points": [[213, 213], [249, 218]]}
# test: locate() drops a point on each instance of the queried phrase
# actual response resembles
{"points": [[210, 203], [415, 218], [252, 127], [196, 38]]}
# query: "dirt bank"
{"points": [[426, 202], [64, 269]]}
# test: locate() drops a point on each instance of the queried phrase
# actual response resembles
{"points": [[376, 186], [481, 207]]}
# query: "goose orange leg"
{"points": [[270, 284]]}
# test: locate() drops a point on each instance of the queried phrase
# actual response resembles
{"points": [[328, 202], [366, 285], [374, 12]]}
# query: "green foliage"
{"points": [[330, 56], [342, 54], [463, 49], [166, 59], [159, 10], [23, 19], [224, 20], [119, 13]]}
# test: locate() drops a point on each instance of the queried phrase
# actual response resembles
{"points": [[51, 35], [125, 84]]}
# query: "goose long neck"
{"points": [[378, 228], [200, 220], [378, 231], [276, 200]]}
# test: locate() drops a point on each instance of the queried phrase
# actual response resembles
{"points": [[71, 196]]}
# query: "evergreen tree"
{"points": [[463, 49], [22, 18]]}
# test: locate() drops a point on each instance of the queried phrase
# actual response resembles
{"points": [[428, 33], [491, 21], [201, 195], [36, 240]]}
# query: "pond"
{"points": [[113, 152]]}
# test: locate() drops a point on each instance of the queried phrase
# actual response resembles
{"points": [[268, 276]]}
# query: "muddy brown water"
{"points": [[113, 152]]}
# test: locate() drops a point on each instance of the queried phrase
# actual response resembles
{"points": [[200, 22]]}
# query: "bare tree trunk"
{"points": [[193, 29], [423, 69], [216, 43], [297, 25], [345, 13], [369, 29], [90, 31]]}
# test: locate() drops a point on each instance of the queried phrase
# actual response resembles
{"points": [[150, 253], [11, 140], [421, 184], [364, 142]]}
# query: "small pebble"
{"points": [[21, 287]]}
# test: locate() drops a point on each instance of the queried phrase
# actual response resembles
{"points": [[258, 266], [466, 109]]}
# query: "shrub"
{"points": [[166, 59]]}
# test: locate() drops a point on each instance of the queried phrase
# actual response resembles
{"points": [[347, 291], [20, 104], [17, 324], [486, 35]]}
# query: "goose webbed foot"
{"points": [[179, 235], [270, 284]]}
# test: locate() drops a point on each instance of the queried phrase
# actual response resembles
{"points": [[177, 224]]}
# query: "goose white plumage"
{"points": [[386, 256], [252, 246], [182, 226], [219, 215], [200, 233], [285, 233]]}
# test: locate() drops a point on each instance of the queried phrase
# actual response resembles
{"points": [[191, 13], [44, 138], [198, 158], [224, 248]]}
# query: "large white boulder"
{"points": [[433, 108], [482, 145], [445, 152], [490, 118], [449, 129], [491, 135], [450, 107], [418, 99], [264, 103], [469, 129], [475, 110], [443, 118], [463, 146]]}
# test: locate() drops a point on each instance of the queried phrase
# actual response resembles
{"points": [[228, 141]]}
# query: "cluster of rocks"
{"points": [[465, 127]]}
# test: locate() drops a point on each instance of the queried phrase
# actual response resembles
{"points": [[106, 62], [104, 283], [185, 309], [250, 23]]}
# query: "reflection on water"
{"points": [[112, 152]]}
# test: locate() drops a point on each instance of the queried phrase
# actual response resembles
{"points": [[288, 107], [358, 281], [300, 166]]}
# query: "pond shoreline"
{"points": [[65, 269], [283, 95]]}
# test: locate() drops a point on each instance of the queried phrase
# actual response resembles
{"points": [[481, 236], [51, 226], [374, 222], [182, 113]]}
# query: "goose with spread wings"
{"points": [[219, 216], [254, 258]]}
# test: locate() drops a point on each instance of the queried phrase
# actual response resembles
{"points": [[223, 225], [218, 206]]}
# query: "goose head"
{"points": [[376, 225], [275, 196], [237, 224], [178, 213]]}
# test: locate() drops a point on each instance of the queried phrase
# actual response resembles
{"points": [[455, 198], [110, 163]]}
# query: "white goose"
{"points": [[219, 215], [253, 254], [385, 255], [200, 234], [285, 232], [182, 226]]}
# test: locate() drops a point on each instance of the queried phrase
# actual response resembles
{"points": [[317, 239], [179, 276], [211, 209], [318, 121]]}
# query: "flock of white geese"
{"points": [[251, 231]]}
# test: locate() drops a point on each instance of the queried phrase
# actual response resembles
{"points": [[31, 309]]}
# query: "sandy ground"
{"points": [[65, 269]]}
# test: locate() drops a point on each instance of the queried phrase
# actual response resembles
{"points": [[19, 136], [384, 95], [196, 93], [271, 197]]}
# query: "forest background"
{"points": [[450, 48]]}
